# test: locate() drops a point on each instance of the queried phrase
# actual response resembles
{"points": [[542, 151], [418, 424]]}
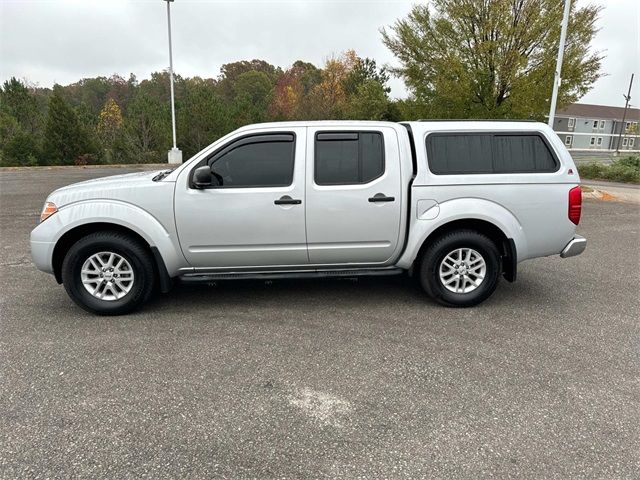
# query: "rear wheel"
{"points": [[108, 273], [461, 268]]}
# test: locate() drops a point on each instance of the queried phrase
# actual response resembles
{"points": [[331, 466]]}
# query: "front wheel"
{"points": [[461, 268], [108, 273]]}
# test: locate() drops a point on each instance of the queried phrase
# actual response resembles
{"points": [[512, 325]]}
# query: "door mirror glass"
{"points": [[202, 177]]}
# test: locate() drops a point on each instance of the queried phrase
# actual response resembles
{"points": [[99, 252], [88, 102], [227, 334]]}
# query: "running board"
{"points": [[212, 277]]}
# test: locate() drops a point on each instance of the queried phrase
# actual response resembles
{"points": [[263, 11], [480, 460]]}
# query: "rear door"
{"points": [[254, 216], [354, 196]]}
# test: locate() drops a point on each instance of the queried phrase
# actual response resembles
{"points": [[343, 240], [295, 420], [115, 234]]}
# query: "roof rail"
{"points": [[475, 120]]}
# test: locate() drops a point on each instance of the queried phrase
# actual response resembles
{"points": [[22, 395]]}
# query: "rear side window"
{"points": [[459, 153], [258, 161], [343, 158]]}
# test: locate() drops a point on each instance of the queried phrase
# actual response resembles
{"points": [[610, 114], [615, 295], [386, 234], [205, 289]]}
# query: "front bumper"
{"points": [[574, 247]]}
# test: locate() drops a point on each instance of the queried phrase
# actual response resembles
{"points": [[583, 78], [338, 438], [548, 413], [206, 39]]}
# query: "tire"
{"points": [[120, 289], [454, 262]]}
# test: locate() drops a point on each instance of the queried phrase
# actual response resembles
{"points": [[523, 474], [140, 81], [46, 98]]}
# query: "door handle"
{"points": [[381, 197], [287, 200]]}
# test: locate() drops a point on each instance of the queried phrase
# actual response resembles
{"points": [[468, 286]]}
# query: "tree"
{"points": [[492, 58], [110, 122], [203, 118], [65, 138]]}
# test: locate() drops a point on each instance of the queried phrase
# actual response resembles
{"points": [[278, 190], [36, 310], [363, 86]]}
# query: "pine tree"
{"points": [[64, 139]]}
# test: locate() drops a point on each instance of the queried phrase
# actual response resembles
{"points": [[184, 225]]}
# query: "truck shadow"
{"points": [[363, 293]]}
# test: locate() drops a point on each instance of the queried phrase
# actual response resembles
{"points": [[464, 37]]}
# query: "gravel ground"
{"points": [[332, 378]]}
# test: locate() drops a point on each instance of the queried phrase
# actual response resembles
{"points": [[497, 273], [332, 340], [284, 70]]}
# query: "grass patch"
{"points": [[625, 170]]}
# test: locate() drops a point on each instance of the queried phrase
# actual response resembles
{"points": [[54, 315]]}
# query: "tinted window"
{"points": [[258, 162], [460, 153], [348, 158], [488, 153]]}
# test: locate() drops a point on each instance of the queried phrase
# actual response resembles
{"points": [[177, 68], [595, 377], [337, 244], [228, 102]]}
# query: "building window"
{"points": [[601, 124], [631, 142], [625, 141], [592, 141], [568, 140], [627, 126], [595, 124], [571, 123], [599, 141]]}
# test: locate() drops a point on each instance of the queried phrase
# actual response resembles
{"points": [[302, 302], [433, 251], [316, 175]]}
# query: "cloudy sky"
{"points": [[48, 41]]}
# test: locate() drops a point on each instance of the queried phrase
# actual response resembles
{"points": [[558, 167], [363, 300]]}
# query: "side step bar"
{"points": [[212, 277]]}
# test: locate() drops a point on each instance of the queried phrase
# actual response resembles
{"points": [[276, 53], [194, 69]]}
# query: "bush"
{"points": [[622, 170]]}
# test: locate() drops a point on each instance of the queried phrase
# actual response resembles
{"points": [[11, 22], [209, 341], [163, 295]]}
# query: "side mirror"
{"points": [[202, 177]]}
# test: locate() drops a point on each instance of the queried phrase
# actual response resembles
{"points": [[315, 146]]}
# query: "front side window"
{"points": [[255, 161], [465, 153], [348, 158]]}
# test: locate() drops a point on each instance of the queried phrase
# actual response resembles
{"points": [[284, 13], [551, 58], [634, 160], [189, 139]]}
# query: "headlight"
{"points": [[48, 210]]}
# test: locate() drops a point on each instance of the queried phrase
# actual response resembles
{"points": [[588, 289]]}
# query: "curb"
{"points": [[144, 166]]}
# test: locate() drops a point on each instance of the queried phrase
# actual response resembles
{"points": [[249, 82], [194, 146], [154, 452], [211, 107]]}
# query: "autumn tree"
{"points": [[492, 58], [292, 89], [110, 122]]}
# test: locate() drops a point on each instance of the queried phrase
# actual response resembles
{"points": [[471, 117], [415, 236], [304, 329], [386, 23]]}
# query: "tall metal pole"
{"points": [[627, 97], [557, 79], [173, 108]]}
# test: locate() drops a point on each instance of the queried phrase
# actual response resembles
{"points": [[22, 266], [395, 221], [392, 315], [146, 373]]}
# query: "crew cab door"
{"points": [[253, 215], [354, 196]]}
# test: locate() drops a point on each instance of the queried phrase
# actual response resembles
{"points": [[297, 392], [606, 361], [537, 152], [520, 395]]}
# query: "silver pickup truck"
{"points": [[457, 204]]}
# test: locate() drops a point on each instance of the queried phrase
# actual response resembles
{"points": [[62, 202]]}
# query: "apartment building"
{"points": [[582, 126]]}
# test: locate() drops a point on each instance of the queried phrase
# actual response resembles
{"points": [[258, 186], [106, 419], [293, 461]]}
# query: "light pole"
{"points": [[627, 97], [556, 78], [175, 154]]}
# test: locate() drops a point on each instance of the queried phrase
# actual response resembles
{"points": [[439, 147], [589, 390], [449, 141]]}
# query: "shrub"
{"points": [[622, 170]]}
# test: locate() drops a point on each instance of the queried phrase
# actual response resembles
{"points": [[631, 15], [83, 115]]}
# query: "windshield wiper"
{"points": [[161, 175]]}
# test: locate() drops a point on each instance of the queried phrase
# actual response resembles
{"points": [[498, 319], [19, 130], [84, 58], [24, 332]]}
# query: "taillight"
{"points": [[575, 204]]}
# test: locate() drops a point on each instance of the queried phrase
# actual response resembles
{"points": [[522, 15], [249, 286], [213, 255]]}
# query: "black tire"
{"points": [[440, 248], [121, 244]]}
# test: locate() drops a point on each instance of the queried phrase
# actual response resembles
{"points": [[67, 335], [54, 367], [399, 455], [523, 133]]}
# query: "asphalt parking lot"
{"points": [[331, 378]]}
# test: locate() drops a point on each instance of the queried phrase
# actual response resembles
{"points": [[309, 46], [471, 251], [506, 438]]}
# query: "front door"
{"points": [[253, 216], [354, 195]]}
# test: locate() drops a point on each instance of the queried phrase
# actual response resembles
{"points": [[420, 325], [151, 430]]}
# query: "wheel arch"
{"points": [[505, 244], [74, 234]]}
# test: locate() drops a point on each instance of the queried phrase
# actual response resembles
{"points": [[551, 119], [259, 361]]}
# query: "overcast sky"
{"points": [[49, 41]]}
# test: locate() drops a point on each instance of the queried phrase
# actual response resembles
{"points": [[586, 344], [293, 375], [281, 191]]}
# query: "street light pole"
{"points": [[175, 154], [627, 97], [557, 79]]}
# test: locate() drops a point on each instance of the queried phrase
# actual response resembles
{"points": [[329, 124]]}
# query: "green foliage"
{"points": [[65, 139], [492, 59], [622, 170]]}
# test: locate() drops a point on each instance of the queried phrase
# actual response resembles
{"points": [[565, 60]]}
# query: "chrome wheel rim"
{"points": [[107, 276], [462, 270]]}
